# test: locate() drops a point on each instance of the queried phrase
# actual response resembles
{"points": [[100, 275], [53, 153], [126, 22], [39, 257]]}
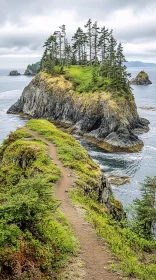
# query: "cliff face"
{"points": [[99, 116], [32, 69]]}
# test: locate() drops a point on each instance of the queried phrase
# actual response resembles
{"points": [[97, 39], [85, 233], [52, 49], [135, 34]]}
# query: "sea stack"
{"points": [[141, 79], [107, 122], [14, 73]]}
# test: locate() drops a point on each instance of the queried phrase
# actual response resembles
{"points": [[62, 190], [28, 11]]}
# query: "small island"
{"points": [[87, 91], [141, 79], [14, 73]]}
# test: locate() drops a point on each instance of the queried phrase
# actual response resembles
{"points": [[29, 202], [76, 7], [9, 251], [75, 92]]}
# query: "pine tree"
{"points": [[43, 60], [68, 53], [78, 44], [103, 43], [111, 56], [95, 42], [84, 54], [50, 60], [145, 209], [89, 39], [63, 35], [123, 75]]}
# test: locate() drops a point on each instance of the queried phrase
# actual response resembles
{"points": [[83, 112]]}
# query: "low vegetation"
{"points": [[142, 75], [71, 153], [86, 79], [35, 238], [74, 156], [135, 253]]}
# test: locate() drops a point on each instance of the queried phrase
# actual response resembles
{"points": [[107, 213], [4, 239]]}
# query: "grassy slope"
{"points": [[71, 153], [136, 255], [85, 79], [82, 79], [33, 233]]}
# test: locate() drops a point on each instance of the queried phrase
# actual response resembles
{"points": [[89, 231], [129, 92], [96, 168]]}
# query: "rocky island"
{"points": [[93, 96], [104, 120], [141, 79], [14, 73]]}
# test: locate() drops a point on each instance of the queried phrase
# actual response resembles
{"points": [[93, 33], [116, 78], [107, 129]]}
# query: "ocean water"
{"points": [[10, 90], [136, 165]]}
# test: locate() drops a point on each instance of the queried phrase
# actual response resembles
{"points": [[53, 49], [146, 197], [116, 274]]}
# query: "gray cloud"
{"points": [[21, 33], [16, 10]]}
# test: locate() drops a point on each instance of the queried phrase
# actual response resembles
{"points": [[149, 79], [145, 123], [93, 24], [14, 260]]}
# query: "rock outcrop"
{"points": [[141, 79], [104, 120], [29, 72], [14, 73], [32, 69]]}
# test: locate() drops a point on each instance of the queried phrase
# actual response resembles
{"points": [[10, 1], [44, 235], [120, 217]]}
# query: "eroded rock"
{"points": [[107, 122], [14, 73], [141, 79]]}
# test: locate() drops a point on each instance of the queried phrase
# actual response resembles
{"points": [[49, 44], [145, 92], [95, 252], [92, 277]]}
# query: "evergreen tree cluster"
{"points": [[144, 210], [94, 47]]}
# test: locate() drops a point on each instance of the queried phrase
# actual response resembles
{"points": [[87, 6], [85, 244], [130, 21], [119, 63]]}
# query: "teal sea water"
{"points": [[137, 165]]}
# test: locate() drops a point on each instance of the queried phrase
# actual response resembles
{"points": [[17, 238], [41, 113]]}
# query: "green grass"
{"points": [[82, 79], [32, 230], [136, 255], [72, 154]]}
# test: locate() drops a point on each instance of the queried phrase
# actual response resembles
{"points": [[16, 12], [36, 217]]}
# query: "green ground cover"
{"points": [[35, 238], [136, 255]]}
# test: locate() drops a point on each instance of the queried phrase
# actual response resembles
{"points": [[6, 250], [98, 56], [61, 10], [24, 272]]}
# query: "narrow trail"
{"points": [[93, 253]]}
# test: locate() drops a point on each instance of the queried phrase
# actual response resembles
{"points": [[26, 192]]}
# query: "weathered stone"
{"points": [[29, 72], [14, 73], [107, 123], [141, 79]]}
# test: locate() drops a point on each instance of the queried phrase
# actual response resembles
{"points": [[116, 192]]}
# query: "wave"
{"points": [[150, 148], [116, 156]]}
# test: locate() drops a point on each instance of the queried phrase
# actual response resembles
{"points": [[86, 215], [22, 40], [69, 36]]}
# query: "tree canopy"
{"points": [[95, 47]]}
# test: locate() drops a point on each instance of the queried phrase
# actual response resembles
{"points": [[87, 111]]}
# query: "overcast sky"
{"points": [[25, 24]]}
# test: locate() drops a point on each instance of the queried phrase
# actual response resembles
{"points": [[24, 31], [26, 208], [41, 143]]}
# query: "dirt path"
{"points": [[93, 253]]}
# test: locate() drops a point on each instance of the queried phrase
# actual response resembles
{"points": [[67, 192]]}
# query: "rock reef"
{"points": [[108, 122], [141, 79], [14, 73]]}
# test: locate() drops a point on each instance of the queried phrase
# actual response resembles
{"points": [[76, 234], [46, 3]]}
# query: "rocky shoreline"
{"points": [[109, 123]]}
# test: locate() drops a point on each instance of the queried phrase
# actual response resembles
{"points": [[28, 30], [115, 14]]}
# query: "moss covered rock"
{"points": [[141, 79]]}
